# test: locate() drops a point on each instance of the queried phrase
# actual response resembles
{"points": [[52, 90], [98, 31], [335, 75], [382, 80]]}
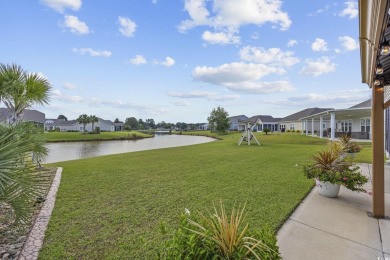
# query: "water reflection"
{"points": [[59, 152]]}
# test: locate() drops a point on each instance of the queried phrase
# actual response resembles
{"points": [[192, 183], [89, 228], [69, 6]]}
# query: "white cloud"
{"points": [[75, 25], [221, 38], [92, 52], [319, 45], [97, 102], [291, 43], [242, 77], [205, 95], [127, 26], [68, 85], [61, 5], [273, 56], [321, 10], [234, 13], [351, 9], [348, 43], [154, 2], [168, 62], [227, 16], [138, 60], [318, 67]]}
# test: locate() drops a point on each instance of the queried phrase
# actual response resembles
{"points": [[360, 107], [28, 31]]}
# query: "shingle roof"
{"points": [[263, 118], [28, 115], [366, 103], [234, 117], [304, 113]]}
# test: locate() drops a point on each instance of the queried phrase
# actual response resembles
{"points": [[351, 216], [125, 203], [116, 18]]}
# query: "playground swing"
{"points": [[248, 135]]}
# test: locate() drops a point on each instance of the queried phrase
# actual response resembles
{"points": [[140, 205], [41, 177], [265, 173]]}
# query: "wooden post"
{"points": [[378, 148], [321, 127]]}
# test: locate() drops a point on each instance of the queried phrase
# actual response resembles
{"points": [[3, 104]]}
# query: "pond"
{"points": [[59, 152]]}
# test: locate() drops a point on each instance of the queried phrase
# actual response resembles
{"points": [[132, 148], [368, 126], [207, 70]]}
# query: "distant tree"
{"points": [[266, 130], [84, 120], [93, 119], [150, 122], [218, 120], [141, 124], [62, 117], [117, 120], [20, 89], [131, 123]]}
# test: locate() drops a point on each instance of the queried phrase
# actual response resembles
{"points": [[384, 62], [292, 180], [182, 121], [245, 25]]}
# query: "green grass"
{"points": [[78, 136], [110, 207]]}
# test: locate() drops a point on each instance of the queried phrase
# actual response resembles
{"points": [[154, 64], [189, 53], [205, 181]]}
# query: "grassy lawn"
{"points": [[110, 207], [78, 136]]}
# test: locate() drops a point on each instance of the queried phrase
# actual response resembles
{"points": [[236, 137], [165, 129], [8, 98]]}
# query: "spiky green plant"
{"points": [[20, 183], [220, 236]]}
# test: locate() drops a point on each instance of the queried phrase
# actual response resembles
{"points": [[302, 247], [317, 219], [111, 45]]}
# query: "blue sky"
{"points": [[176, 60]]}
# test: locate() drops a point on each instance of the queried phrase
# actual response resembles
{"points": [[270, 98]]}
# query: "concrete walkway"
{"points": [[339, 228]]}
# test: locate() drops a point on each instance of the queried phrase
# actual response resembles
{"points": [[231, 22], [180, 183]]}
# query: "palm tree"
{"points": [[20, 89], [93, 119], [84, 120], [20, 184]]}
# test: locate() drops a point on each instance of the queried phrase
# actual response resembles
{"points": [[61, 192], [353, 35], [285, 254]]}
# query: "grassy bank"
{"points": [[111, 207], [79, 136]]}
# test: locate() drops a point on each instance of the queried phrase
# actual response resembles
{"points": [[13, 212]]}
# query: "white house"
{"points": [[235, 124], [73, 125], [355, 121], [265, 121], [28, 115], [293, 121]]}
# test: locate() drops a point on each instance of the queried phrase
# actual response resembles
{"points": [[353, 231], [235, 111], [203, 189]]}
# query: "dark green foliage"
{"points": [[266, 130], [218, 120]]}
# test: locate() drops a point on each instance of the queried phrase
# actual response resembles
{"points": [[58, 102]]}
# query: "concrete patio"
{"points": [[339, 228]]}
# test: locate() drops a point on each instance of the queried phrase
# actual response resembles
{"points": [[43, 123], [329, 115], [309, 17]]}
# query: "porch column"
{"points": [[378, 148], [303, 127], [312, 127], [332, 126], [321, 126], [306, 128]]}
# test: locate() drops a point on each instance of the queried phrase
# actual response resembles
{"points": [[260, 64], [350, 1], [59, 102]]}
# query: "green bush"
{"points": [[288, 130], [266, 130], [298, 131], [218, 236]]}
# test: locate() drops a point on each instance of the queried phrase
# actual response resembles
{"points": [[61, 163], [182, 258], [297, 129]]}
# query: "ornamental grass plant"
{"points": [[219, 236]]}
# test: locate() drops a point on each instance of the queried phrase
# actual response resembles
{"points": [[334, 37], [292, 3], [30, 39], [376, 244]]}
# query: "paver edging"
{"points": [[34, 241]]}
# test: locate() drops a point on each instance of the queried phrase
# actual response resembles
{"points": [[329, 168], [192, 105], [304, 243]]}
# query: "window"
{"points": [[346, 126], [365, 125], [292, 126]]}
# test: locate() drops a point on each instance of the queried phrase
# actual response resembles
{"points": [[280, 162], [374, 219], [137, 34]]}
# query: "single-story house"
{"points": [[204, 126], [264, 121], [73, 125], [120, 126], [293, 121], [235, 124], [28, 115], [355, 121]]}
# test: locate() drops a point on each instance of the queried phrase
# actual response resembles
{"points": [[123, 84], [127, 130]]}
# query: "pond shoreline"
{"points": [[101, 139]]}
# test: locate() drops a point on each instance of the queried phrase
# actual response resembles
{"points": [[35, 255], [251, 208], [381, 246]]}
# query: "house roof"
{"points": [[263, 118], [364, 104], [236, 117], [304, 113], [27, 115]]}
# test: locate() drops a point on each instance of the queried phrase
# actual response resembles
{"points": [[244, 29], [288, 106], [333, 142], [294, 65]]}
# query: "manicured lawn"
{"points": [[110, 207], [78, 136]]}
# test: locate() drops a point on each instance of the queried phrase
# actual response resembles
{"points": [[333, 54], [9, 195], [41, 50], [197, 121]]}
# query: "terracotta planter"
{"points": [[328, 189]]}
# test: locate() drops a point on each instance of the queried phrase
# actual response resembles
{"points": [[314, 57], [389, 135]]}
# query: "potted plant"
{"points": [[331, 171]]}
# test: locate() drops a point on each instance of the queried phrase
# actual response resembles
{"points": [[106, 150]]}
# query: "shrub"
{"points": [[266, 130], [298, 131], [218, 236], [288, 131]]}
